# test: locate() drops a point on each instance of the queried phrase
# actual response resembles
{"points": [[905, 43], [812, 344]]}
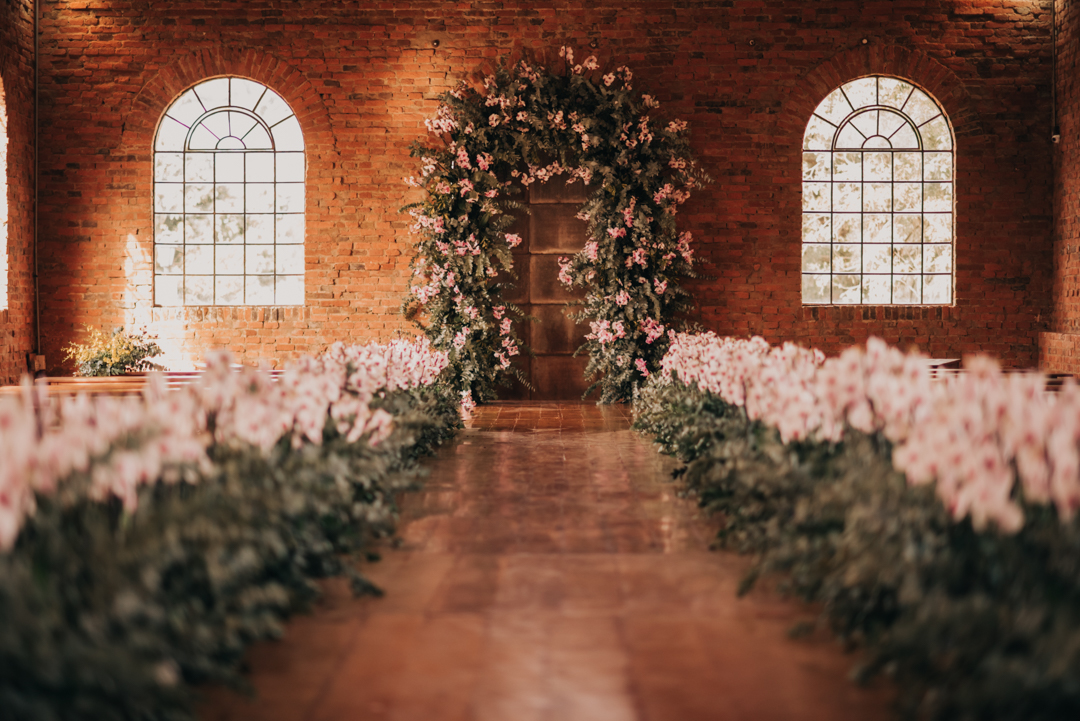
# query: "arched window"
{"points": [[3, 201], [878, 197], [229, 198]]}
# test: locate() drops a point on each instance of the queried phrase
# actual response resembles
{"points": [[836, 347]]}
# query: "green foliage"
{"points": [[107, 615], [534, 125], [113, 355], [971, 625]]}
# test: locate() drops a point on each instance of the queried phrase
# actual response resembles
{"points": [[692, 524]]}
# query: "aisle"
{"points": [[548, 571]]}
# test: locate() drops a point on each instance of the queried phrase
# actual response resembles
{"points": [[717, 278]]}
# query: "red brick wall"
{"points": [[17, 95], [362, 77], [1060, 350]]}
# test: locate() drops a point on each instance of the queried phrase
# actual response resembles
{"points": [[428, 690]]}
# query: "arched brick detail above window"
{"points": [[877, 58], [159, 90]]}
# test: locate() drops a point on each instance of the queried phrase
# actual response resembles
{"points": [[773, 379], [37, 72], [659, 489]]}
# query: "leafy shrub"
{"points": [[115, 354], [971, 624], [111, 610]]}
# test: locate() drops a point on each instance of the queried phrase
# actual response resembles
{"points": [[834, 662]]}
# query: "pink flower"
{"points": [[642, 367]]}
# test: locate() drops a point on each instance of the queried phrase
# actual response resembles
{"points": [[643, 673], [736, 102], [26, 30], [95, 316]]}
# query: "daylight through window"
{"points": [[229, 198], [877, 222]]}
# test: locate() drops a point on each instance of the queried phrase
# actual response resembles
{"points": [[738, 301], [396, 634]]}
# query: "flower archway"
{"points": [[526, 123]]}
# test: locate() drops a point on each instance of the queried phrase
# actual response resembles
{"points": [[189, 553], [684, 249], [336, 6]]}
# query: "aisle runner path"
{"points": [[549, 572]]}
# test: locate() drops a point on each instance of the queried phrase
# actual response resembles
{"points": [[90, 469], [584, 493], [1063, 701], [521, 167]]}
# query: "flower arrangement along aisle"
{"points": [[529, 124], [935, 521], [146, 541]]}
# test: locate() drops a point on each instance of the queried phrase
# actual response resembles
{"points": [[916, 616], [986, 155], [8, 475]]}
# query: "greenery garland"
{"points": [[526, 124]]}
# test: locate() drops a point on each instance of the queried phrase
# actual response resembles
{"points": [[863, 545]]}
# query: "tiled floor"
{"points": [[549, 571]]}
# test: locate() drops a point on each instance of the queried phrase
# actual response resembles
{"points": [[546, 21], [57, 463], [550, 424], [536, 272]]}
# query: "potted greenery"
{"points": [[116, 354]]}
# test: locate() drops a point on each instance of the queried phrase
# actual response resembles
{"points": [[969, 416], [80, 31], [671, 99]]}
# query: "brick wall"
{"points": [[1059, 350], [362, 77], [17, 95]]}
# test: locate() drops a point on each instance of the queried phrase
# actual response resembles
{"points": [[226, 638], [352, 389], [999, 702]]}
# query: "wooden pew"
{"points": [[112, 385]]}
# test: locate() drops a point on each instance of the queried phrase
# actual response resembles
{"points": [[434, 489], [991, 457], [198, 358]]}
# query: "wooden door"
{"points": [[550, 230]]}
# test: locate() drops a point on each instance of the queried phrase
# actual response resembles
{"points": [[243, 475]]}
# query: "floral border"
{"points": [[524, 123]]}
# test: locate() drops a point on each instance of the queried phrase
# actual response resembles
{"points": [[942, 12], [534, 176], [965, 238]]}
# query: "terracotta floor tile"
{"points": [[548, 571]]}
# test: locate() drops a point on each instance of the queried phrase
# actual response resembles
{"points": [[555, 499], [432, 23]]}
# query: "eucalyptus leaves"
{"points": [[522, 124]]}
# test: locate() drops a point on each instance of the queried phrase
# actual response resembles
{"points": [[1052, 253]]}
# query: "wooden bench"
{"points": [[124, 385]]}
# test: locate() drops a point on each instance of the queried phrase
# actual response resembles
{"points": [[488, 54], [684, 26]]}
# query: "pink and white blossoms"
{"points": [[984, 437], [106, 446]]}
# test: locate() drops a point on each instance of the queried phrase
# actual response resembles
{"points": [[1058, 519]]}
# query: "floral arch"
{"points": [[526, 123]]}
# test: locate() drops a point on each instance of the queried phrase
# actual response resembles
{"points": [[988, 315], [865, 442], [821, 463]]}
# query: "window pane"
{"points": [[877, 197], [847, 258], [213, 93], [199, 198], [168, 198], [938, 196], [847, 228], [907, 197], [819, 135], [169, 290], [170, 135], [230, 290], [907, 289], [877, 258], [229, 260], [920, 107], [199, 167], [168, 167], [907, 258], [834, 108], [260, 229], [290, 259], [936, 134], [272, 109], [848, 166], [938, 166], [245, 93], [937, 289], [816, 258], [187, 109], [199, 290], [168, 259], [260, 197], [260, 166], [876, 289], [877, 228], [877, 166], [847, 197], [846, 289], [259, 290], [815, 196], [229, 167], [816, 166], [892, 91], [290, 197], [287, 135], [290, 290], [861, 92], [230, 229], [199, 229], [817, 227], [937, 258], [199, 259], [815, 288], [260, 259], [908, 229], [168, 228], [938, 228], [290, 229]]}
